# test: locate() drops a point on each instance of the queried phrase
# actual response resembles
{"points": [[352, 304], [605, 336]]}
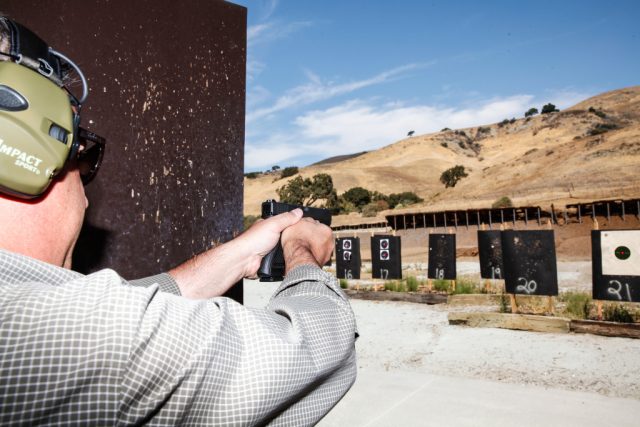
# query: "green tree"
{"points": [[358, 196], [275, 168], [451, 176], [531, 112], [410, 133], [321, 187], [549, 108], [295, 191], [307, 191]]}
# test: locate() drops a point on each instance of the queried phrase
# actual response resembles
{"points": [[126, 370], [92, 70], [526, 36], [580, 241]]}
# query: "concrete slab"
{"points": [[381, 398]]}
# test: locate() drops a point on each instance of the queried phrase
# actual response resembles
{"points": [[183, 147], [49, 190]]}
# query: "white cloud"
{"points": [[268, 32], [358, 125], [315, 90]]}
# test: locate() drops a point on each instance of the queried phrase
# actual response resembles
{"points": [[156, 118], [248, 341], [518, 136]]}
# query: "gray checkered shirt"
{"points": [[98, 350]]}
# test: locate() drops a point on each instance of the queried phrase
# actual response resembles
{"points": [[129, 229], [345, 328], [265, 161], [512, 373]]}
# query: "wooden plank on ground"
{"points": [[523, 322], [474, 299], [608, 329], [420, 298]]}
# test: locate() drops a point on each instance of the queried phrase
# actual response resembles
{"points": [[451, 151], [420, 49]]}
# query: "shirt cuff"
{"points": [[165, 282]]}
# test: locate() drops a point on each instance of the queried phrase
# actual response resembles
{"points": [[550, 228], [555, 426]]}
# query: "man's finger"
{"points": [[287, 219]]}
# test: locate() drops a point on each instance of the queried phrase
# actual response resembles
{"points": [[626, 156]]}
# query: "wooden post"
{"points": [[487, 285], [551, 305], [453, 286], [478, 214], [596, 226], [514, 304], [430, 284], [579, 213]]}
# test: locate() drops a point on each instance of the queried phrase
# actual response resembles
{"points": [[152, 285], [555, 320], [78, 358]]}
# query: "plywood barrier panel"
{"points": [[167, 90]]}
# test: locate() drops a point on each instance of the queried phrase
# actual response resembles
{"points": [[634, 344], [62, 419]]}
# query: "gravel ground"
{"points": [[406, 337]]}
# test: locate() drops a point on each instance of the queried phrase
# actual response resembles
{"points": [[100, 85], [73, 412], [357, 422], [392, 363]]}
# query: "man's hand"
{"points": [[307, 242], [213, 272], [263, 236]]}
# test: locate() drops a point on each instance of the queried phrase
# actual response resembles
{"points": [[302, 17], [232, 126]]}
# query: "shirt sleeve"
{"points": [[165, 282], [104, 353]]}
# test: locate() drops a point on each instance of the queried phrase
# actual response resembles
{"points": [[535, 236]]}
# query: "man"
{"points": [[166, 350]]}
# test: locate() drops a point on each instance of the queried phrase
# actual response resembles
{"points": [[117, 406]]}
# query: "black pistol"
{"points": [[272, 265]]}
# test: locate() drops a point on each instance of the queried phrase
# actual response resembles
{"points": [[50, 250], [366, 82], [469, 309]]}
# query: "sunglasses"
{"points": [[89, 156]]}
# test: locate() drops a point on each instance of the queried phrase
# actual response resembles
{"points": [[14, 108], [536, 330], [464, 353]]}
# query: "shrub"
{"points": [[394, 286], [405, 198], [412, 284], [504, 306], [451, 176], [503, 123], [601, 128], [598, 113], [444, 144], [482, 130], [513, 120], [288, 171], [531, 112], [410, 133], [445, 130], [617, 313], [578, 304], [465, 286], [275, 168], [441, 285], [549, 108], [460, 132], [251, 175], [372, 209], [502, 202]]}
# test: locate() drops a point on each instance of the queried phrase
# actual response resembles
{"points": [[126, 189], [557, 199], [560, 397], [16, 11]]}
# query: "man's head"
{"points": [[44, 154]]}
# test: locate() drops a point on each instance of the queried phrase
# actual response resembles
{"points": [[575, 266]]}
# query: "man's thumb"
{"points": [[288, 218]]}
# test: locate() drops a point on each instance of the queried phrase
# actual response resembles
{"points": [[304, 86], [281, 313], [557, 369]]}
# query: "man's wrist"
{"points": [[297, 252]]}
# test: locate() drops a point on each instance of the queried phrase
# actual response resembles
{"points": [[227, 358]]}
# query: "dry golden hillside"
{"points": [[551, 158]]}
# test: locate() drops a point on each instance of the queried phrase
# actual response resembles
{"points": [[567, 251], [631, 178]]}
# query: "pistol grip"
{"points": [[272, 265]]}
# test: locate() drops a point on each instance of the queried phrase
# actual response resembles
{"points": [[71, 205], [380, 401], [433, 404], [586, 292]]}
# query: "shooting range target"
{"points": [[616, 265]]}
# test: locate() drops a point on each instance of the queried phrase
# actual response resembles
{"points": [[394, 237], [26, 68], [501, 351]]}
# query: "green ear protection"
{"points": [[39, 118], [36, 130]]}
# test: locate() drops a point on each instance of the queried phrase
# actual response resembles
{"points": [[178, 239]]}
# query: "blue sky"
{"points": [[327, 77]]}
